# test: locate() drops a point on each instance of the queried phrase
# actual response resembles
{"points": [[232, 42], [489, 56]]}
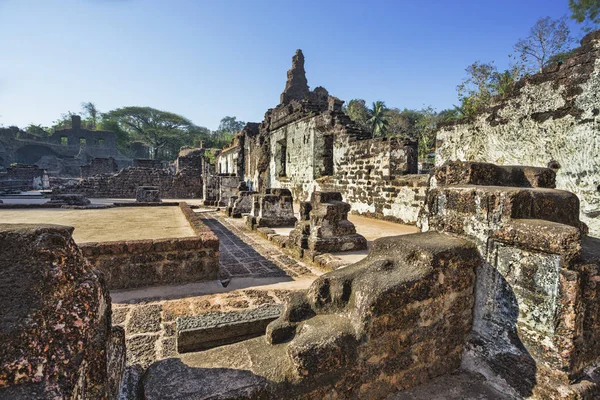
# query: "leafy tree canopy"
{"points": [[161, 130], [547, 38], [230, 125], [378, 121], [585, 11]]}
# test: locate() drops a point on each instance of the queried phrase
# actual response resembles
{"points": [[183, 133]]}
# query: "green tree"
{"points": [[378, 122], [402, 122], [63, 122], [164, 132], [476, 91], [503, 83], [37, 130], [425, 128], [547, 38], [230, 125], [585, 11], [91, 114], [358, 112], [108, 123]]}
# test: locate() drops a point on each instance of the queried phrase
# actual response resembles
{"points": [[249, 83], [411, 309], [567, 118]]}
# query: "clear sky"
{"points": [[205, 59]]}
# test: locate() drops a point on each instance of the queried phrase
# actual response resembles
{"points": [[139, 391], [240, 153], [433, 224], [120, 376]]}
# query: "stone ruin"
{"points": [[324, 226], [557, 107], [99, 166], [64, 153], [273, 209], [296, 87], [55, 325], [147, 194], [185, 181], [242, 203], [69, 200], [307, 143], [24, 177], [501, 283]]}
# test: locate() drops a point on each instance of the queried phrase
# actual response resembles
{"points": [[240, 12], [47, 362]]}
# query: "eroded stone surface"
{"points": [[55, 329], [324, 226], [337, 334]]}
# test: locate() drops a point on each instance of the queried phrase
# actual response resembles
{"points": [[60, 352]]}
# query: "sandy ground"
{"points": [[131, 223]]}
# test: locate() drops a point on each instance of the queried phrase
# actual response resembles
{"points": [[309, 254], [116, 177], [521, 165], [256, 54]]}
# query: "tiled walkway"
{"points": [[246, 254], [150, 325]]}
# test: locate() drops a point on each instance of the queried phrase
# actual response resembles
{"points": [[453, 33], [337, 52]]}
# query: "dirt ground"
{"points": [[127, 223]]}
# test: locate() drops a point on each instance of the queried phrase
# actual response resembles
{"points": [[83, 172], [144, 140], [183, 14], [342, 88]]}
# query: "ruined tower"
{"points": [[296, 87]]}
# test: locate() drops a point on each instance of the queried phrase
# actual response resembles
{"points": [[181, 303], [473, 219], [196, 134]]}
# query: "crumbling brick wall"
{"points": [[378, 178], [550, 116], [24, 177], [308, 144], [186, 184], [99, 166]]}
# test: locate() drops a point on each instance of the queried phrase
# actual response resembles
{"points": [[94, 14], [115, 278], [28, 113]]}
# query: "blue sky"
{"points": [[208, 59]]}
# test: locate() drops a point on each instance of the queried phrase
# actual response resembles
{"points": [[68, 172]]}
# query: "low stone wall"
{"points": [[185, 184], [139, 263]]}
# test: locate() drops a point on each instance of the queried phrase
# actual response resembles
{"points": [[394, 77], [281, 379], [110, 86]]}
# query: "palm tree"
{"points": [[378, 120]]}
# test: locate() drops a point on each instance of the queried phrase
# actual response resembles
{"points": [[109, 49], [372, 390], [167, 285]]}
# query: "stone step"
{"points": [[205, 331], [540, 235], [499, 203], [485, 174]]}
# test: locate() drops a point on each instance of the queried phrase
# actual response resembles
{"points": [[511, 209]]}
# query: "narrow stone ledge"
{"points": [[214, 329]]}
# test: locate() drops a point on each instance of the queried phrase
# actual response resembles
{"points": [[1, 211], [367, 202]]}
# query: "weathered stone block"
{"points": [[147, 194], [214, 329], [324, 227], [55, 330]]}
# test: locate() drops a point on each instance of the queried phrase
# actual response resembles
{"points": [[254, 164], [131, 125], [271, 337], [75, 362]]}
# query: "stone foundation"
{"points": [[533, 303], [365, 331], [69, 199], [139, 263], [123, 185]]}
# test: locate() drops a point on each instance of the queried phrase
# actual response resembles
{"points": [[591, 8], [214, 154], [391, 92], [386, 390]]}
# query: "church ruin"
{"points": [[500, 283]]}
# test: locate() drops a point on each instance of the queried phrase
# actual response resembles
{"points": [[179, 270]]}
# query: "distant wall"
{"points": [[552, 116], [99, 166], [186, 184]]}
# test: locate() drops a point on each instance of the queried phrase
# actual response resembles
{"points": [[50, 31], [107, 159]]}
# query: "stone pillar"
{"points": [[324, 225]]}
